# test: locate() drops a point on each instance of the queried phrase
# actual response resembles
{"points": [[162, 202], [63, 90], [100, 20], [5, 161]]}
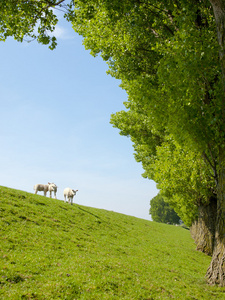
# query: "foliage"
{"points": [[182, 176], [30, 20], [184, 179], [166, 55], [51, 250], [160, 211]]}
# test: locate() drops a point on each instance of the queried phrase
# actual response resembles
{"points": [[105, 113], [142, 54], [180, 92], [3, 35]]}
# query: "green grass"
{"points": [[52, 250]]}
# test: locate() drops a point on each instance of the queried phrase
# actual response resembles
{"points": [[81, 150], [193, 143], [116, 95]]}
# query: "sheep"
{"points": [[46, 187], [41, 187], [69, 193], [52, 188]]}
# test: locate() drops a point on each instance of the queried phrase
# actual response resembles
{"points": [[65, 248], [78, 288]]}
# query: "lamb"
{"points": [[51, 187], [69, 193], [41, 187]]}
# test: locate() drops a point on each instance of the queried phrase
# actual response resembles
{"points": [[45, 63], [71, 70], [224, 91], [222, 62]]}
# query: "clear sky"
{"points": [[54, 126]]}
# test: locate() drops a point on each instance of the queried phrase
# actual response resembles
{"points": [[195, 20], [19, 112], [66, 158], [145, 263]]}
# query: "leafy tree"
{"points": [[170, 59], [185, 180], [161, 212]]}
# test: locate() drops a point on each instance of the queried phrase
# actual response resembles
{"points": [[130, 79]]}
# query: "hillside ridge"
{"points": [[54, 250]]}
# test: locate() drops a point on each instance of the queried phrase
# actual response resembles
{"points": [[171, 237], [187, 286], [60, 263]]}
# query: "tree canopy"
{"points": [[167, 58]]}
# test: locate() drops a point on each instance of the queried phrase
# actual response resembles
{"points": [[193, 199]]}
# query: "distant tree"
{"points": [[161, 211]]}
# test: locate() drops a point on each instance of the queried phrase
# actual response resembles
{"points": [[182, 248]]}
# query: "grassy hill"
{"points": [[52, 250]]}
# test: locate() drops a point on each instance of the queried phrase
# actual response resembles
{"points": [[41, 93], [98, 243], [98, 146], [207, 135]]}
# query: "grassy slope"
{"points": [[52, 250]]}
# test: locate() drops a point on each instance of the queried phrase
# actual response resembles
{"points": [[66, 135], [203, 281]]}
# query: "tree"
{"points": [[166, 55], [161, 212], [190, 190], [184, 179]]}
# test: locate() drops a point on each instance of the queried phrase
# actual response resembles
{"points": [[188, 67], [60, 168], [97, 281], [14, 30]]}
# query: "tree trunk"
{"points": [[219, 12], [203, 229], [216, 271]]}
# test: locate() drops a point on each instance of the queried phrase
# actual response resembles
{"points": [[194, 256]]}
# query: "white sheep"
{"points": [[51, 187], [69, 193], [41, 187]]}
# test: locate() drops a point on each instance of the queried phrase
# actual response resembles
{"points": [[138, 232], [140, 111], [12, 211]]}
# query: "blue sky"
{"points": [[54, 126]]}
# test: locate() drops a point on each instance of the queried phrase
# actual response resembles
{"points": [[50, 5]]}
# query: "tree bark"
{"points": [[219, 13], [216, 271], [203, 229]]}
